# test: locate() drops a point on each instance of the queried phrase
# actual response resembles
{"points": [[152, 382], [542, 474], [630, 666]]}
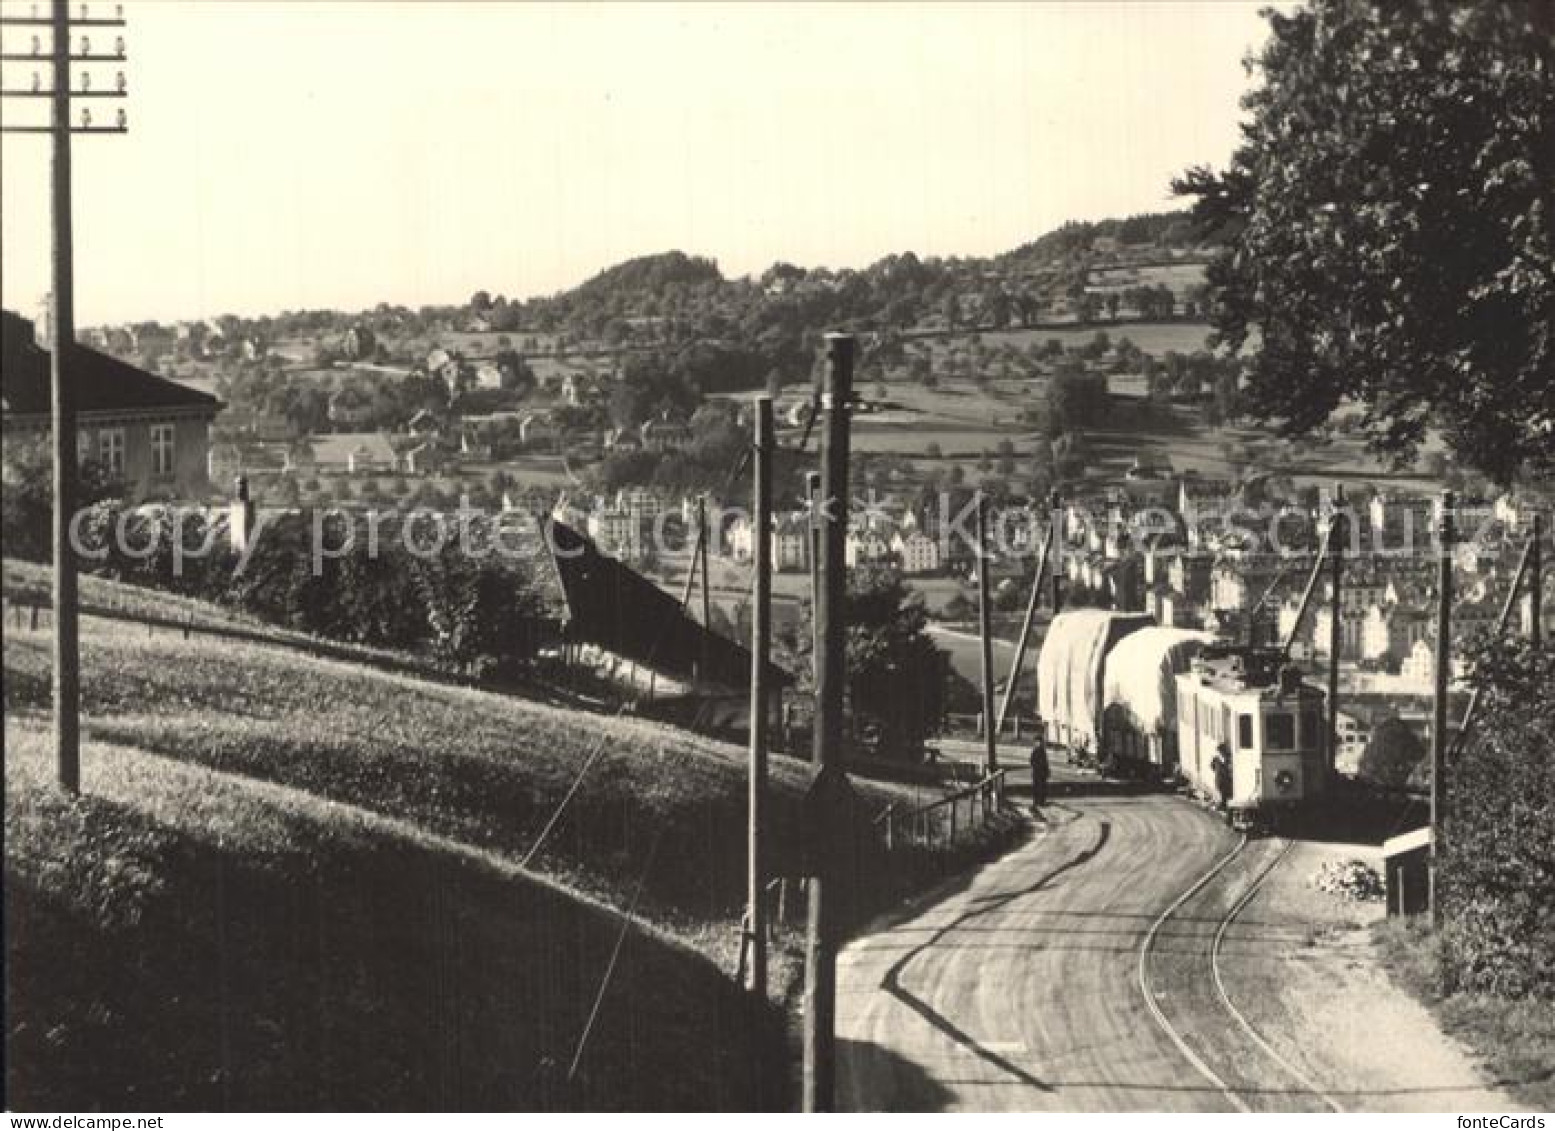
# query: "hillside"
{"points": [[185, 940], [255, 816]]}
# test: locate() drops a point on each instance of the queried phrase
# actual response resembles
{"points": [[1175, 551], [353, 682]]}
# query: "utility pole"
{"points": [[761, 647], [820, 993], [1536, 582], [1058, 552], [698, 553], [707, 608], [985, 633], [1439, 704], [812, 483], [1025, 630], [1336, 536], [66, 675]]}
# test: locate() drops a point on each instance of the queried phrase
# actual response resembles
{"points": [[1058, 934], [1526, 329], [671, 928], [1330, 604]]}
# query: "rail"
{"points": [[940, 820]]}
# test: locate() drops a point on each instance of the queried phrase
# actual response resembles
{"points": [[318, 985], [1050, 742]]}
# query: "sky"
{"points": [[289, 155]]}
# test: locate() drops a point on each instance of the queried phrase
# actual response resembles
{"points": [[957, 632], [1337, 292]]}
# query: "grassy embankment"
{"points": [[1514, 1038], [295, 881]]}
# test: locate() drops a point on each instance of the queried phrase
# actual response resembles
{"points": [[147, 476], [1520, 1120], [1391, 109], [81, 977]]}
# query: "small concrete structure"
{"points": [[1407, 859]]}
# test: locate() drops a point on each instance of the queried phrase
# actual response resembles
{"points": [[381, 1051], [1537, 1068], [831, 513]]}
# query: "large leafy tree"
{"points": [[1390, 204]]}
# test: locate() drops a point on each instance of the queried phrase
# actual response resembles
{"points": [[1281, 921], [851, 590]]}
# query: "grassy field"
{"points": [[183, 939], [1152, 337], [299, 881]]}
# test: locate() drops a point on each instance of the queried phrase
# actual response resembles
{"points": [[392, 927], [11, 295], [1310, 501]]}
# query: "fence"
{"points": [[940, 820], [972, 724]]}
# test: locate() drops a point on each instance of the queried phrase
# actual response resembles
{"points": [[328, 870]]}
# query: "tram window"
{"points": [[1311, 728], [1279, 731], [1244, 731]]}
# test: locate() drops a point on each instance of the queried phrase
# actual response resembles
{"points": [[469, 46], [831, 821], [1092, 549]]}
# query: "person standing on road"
{"points": [[1039, 771], [1222, 768]]}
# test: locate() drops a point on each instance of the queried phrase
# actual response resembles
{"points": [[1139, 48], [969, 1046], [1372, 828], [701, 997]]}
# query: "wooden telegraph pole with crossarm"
{"points": [[69, 69]]}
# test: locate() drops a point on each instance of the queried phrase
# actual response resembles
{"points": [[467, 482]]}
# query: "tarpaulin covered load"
{"points": [[1142, 675], [1070, 670]]}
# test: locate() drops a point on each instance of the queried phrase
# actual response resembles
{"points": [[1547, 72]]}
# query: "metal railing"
{"points": [[941, 820]]}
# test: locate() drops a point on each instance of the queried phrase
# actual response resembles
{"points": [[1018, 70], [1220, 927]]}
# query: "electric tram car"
{"points": [[1148, 701]]}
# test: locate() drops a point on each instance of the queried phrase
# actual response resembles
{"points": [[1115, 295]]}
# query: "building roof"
{"points": [[100, 383], [338, 447]]}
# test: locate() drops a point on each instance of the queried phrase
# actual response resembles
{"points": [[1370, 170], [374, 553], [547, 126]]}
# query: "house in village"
{"points": [[424, 422], [1419, 665], [1352, 626], [425, 458], [917, 552], [791, 543], [616, 530], [537, 430], [664, 433], [489, 435], [353, 453], [622, 440], [350, 410], [1390, 632], [151, 433], [864, 547], [446, 366], [738, 539]]}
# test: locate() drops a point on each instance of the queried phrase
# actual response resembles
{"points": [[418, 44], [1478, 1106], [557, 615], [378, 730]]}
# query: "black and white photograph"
{"points": [[777, 557]]}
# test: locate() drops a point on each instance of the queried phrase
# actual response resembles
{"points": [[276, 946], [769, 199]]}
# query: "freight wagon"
{"points": [[1119, 691]]}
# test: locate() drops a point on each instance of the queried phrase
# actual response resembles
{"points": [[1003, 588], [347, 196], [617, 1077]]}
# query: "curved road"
{"points": [[1020, 992]]}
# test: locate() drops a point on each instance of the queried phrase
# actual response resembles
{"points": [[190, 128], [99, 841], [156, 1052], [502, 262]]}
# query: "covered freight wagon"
{"points": [[1139, 699], [1070, 672]]}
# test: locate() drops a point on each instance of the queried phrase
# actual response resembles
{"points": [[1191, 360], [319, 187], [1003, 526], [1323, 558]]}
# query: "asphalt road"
{"points": [[1020, 992]]}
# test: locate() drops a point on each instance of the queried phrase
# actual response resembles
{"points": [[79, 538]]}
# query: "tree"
{"points": [[1391, 225], [1392, 755], [952, 311], [27, 500]]}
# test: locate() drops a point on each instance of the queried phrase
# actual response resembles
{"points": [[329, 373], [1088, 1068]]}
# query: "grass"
{"points": [[1514, 1039], [297, 880], [484, 769], [180, 940]]}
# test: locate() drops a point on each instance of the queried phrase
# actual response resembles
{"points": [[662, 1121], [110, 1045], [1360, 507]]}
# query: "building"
{"points": [[918, 553], [616, 531], [538, 430], [1391, 632], [1419, 666], [738, 536], [864, 547], [791, 543], [1352, 623], [354, 453], [664, 433], [150, 433]]}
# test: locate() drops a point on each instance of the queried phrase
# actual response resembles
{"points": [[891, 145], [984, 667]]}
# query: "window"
{"points": [[161, 449], [1312, 728], [1244, 731], [1279, 730], [110, 450]]}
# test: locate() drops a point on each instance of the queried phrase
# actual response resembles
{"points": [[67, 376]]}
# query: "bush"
{"points": [[1498, 838], [1392, 755], [27, 496]]}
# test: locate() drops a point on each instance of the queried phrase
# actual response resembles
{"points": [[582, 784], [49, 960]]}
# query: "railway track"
{"points": [[1254, 1040]]}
